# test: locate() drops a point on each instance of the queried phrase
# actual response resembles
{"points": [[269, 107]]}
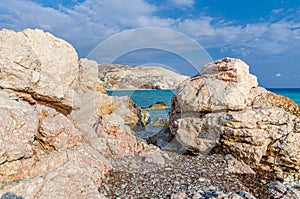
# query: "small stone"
{"points": [[197, 196], [179, 195], [134, 166], [10, 195]]}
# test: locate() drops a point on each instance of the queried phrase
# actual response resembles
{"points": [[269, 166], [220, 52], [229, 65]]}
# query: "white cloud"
{"points": [[88, 23], [278, 75], [277, 11], [182, 3], [259, 39], [84, 25]]}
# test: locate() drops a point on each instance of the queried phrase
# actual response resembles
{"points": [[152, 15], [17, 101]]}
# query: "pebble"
{"points": [[192, 177]]}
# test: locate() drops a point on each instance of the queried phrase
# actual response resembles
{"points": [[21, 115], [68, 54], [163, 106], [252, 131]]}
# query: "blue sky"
{"points": [[263, 33]]}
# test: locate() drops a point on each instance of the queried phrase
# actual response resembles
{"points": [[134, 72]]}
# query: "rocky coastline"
{"points": [[124, 77], [63, 136]]}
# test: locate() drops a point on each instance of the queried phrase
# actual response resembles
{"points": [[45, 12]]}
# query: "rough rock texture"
{"points": [[117, 76], [222, 108], [130, 112], [41, 150], [31, 61], [88, 79], [94, 102], [60, 133], [221, 85], [18, 121], [113, 137], [56, 121]]}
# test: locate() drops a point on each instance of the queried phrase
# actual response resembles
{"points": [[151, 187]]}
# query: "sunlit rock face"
{"points": [[58, 127], [222, 108], [116, 76]]}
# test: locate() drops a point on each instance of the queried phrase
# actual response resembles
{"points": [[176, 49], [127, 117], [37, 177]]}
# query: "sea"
{"points": [[145, 98]]}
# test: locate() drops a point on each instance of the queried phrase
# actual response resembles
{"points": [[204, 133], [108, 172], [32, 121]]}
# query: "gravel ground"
{"points": [[182, 176]]}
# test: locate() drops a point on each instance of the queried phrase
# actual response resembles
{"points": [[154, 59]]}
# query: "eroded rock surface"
{"points": [[41, 150], [31, 61], [60, 133], [222, 108], [58, 127]]}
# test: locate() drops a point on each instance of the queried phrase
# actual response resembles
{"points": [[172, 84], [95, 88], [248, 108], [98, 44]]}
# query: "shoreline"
{"points": [[140, 89]]}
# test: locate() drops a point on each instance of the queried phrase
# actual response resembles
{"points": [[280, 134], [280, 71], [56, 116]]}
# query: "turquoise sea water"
{"points": [[145, 98]]}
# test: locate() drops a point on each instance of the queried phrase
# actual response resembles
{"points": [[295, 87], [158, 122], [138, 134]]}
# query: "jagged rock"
{"points": [[263, 136], [56, 120], [78, 175], [31, 62], [157, 106], [18, 125], [55, 131], [88, 79], [113, 137], [41, 149], [130, 112], [94, 102], [116, 76], [260, 97], [223, 109], [221, 85], [198, 135]]}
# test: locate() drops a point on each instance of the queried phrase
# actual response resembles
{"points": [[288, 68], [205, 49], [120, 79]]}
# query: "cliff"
{"points": [[116, 76]]}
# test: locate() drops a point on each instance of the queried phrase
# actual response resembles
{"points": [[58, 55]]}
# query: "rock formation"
{"points": [[93, 101], [57, 124], [32, 61], [116, 76], [60, 133], [222, 108], [157, 106], [41, 149]]}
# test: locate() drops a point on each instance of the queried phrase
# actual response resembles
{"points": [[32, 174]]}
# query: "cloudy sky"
{"points": [[264, 33]]}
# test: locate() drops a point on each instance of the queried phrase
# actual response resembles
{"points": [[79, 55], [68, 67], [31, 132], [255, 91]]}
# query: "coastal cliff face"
{"points": [[223, 109], [116, 76]]}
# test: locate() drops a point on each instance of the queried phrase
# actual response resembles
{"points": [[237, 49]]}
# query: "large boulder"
{"points": [[58, 127], [222, 108], [42, 150], [221, 85], [40, 64]]}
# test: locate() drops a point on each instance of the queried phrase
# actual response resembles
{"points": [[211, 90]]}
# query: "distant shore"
{"points": [[139, 89]]}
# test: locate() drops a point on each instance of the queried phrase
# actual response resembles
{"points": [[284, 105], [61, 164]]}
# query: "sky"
{"points": [[263, 33]]}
